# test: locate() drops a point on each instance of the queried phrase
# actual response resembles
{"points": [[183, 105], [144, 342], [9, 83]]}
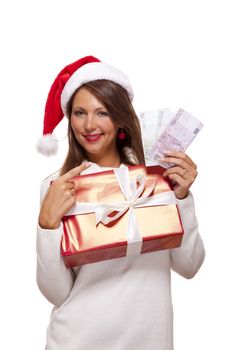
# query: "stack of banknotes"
{"points": [[164, 130]]}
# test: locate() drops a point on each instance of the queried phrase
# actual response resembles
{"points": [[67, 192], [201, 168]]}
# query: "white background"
{"points": [[177, 54]]}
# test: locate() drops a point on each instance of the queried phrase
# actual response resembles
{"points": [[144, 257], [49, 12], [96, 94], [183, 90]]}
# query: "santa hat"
{"points": [[66, 83]]}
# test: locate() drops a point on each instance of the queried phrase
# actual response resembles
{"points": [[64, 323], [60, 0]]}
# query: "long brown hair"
{"points": [[116, 100]]}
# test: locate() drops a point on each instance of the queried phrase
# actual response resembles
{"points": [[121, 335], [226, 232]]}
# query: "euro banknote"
{"points": [[165, 130]]}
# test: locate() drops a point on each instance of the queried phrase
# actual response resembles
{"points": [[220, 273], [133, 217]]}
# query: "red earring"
{"points": [[122, 134]]}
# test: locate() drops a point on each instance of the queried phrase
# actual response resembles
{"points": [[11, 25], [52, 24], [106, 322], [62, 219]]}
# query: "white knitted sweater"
{"points": [[119, 304]]}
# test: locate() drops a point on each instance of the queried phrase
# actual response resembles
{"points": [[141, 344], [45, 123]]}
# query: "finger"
{"points": [[72, 192], [181, 155], [181, 187], [69, 185], [175, 161], [179, 180], [187, 173], [176, 170], [75, 171], [63, 186], [185, 181]]}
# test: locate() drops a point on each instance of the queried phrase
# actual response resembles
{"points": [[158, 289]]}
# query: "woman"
{"points": [[123, 303]]}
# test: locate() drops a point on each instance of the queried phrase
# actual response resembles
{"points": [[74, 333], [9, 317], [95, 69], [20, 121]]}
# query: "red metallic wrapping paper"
{"points": [[85, 242]]}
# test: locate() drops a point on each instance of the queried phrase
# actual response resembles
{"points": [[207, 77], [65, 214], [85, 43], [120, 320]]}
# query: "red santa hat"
{"points": [[66, 83]]}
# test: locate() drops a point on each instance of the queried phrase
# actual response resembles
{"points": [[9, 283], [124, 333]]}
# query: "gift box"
{"points": [[122, 212]]}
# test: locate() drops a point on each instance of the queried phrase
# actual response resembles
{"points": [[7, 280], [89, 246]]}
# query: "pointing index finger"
{"points": [[76, 171]]}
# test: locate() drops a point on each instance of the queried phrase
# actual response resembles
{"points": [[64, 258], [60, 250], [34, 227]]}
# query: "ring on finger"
{"points": [[184, 172]]}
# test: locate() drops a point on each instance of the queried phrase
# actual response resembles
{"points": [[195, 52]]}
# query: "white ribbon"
{"points": [[133, 199]]}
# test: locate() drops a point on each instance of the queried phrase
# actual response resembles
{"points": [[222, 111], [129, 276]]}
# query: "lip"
{"points": [[92, 137]]}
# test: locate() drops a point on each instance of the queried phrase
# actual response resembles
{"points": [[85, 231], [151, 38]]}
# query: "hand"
{"points": [[59, 198], [182, 174]]}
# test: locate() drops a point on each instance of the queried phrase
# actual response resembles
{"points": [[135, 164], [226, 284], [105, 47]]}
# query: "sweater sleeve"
{"points": [[54, 280], [187, 259]]}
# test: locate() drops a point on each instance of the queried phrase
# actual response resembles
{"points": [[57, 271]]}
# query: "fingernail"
{"points": [[161, 159], [86, 163], [167, 152]]}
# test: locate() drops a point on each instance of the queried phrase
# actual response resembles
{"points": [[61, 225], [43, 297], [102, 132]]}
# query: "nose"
{"points": [[90, 122]]}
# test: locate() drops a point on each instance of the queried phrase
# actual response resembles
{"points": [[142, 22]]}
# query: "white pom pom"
{"points": [[47, 145]]}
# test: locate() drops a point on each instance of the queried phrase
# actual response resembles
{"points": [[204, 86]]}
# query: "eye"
{"points": [[103, 114], [78, 113]]}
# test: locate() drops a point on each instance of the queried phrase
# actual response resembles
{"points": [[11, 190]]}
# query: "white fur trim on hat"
{"points": [[47, 145], [90, 72]]}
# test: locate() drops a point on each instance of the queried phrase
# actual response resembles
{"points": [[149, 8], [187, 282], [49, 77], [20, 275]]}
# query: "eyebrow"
{"points": [[83, 109]]}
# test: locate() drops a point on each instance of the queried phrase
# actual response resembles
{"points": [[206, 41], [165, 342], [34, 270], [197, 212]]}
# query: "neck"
{"points": [[111, 161]]}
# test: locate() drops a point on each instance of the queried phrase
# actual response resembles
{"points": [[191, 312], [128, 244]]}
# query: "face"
{"points": [[93, 128]]}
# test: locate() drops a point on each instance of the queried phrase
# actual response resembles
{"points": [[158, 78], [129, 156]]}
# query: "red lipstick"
{"points": [[92, 137]]}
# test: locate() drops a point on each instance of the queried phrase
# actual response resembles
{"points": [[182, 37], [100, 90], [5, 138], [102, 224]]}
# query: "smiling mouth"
{"points": [[92, 137]]}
